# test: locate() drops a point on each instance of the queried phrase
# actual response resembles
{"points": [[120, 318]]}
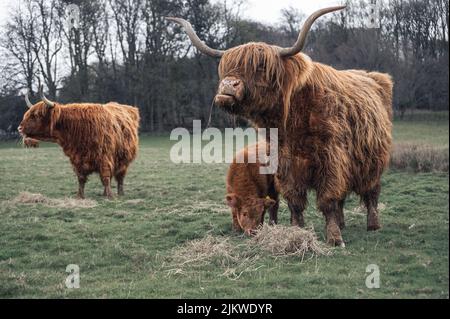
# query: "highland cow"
{"points": [[334, 126], [250, 193], [31, 142], [100, 138]]}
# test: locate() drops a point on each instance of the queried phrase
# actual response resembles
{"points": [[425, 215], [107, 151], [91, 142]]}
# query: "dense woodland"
{"points": [[125, 51]]}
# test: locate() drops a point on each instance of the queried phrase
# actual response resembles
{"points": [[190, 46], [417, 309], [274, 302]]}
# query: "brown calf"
{"points": [[250, 193]]}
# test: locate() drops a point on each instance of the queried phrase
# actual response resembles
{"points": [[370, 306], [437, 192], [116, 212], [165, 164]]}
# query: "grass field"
{"points": [[125, 247]]}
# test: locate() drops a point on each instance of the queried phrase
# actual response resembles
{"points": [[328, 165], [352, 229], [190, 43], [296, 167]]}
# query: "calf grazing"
{"points": [[334, 126], [31, 143], [250, 193], [100, 138]]}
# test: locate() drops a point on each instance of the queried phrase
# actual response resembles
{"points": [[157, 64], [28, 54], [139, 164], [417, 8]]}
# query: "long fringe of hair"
{"points": [[273, 72]]}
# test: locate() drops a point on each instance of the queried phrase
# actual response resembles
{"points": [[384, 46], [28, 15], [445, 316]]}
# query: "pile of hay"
{"points": [[204, 250], [32, 198], [243, 257], [218, 251], [279, 240]]}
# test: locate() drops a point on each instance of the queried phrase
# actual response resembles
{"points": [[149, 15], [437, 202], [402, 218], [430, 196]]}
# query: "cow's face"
{"points": [[250, 78], [36, 122], [253, 75], [249, 212]]}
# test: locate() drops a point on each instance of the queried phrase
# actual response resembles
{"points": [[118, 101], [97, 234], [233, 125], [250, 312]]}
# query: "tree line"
{"points": [[125, 51]]}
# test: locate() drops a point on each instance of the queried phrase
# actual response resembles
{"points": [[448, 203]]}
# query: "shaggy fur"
{"points": [[95, 137], [31, 143], [250, 193], [334, 126]]}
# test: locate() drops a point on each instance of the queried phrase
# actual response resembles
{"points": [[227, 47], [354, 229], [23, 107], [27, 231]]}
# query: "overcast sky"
{"points": [[267, 11]]}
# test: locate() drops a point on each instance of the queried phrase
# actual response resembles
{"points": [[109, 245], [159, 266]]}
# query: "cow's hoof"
{"points": [[336, 242], [373, 227], [334, 237]]}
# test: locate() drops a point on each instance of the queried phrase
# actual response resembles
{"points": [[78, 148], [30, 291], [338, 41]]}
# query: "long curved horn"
{"points": [[27, 100], [300, 43], [49, 103], [199, 44]]}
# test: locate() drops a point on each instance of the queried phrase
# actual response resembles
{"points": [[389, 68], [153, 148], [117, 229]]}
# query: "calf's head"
{"points": [[38, 121], [256, 76], [249, 211]]}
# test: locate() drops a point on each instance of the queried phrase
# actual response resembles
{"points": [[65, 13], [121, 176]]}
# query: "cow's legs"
{"points": [[273, 213], [81, 182], [297, 204], [297, 218], [120, 176], [370, 199], [341, 219], [106, 181], [105, 176], [330, 209]]}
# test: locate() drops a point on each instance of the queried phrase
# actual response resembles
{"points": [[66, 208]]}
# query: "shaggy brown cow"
{"points": [[334, 126], [250, 193], [31, 143], [99, 138]]}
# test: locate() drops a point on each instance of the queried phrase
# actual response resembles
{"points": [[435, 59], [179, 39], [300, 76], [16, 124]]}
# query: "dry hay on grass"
{"points": [[236, 259], [210, 250], [279, 240], [31, 198], [204, 249]]}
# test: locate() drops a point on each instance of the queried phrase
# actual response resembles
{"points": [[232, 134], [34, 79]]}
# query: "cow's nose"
{"points": [[232, 86], [20, 128], [235, 83]]}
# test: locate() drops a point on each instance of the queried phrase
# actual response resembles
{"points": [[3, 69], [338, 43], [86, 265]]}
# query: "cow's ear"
{"points": [[232, 200]]}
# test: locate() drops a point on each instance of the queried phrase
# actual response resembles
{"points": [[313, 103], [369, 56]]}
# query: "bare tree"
{"points": [[48, 41], [291, 19], [19, 38]]}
